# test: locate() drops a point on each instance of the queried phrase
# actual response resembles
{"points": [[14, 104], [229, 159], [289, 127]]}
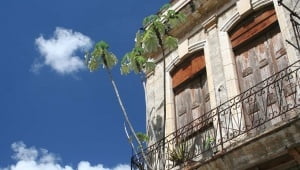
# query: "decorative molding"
{"points": [[196, 46], [210, 23], [179, 5], [236, 17], [260, 3], [172, 64], [230, 22], [191, 49]]}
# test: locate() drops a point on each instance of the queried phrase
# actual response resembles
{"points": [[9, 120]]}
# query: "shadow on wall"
{"points": [[155, 128]]}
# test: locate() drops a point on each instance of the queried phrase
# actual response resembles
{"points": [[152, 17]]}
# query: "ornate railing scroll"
{"points": [[268, 103]]}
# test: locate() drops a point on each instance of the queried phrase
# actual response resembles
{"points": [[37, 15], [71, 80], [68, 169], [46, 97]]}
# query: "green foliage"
{"points": [[142, 137], [153, 37], [160, 28], [139, 38], [165, 7], [156, 34], [208, 142], [136, 61], [100, 56], [148, 20], [150, 41], [149, 66], [170, 42], [174, 19], [179, 154]]}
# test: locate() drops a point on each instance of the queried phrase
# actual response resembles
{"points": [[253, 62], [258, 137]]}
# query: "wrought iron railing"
{"points": [[270, 103]]}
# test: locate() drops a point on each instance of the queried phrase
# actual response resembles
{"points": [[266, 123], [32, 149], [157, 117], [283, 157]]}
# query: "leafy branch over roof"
{"points": [[154, 36]]}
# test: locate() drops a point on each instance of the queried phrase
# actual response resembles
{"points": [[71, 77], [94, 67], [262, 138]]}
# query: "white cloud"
{"points": [[83, 165], [59, 51], [23, 153], [30, 158]]}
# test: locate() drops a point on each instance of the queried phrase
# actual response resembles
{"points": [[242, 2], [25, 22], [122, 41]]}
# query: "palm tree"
{"points": [[101, 56], [153, 37], [157, 38]]}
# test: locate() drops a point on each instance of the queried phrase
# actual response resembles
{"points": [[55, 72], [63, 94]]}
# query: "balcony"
{"points": [[268, 106]]}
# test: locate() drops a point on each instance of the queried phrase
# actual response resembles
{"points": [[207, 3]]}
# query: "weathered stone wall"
{"points": [[286, 26], [207, 29], [154, 104]]}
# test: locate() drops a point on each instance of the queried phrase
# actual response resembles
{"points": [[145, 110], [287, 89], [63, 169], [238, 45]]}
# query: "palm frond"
{"points": [[148, 20], [125, 64], [174, 19], [110, 59], [149, 66], [160, 27], [102, 45], [93, 64], [132, 61], [138, 50], [135, 61], [150, 41], [165, 7], [100, 56], [139, 38], [170, 42]]}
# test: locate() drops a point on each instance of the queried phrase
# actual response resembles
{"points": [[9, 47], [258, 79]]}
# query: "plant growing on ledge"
{"points": [[208, 143], [179, 154]]}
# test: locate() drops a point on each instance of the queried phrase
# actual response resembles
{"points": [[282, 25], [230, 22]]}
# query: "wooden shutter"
{"points": [[258, 47], [260, 53], [192, 100], [191, 89], [252, 26], [182, 101], [189, 68]]}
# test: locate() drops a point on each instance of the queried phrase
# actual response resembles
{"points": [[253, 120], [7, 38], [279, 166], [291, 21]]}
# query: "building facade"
{"points": [[232, 89]]}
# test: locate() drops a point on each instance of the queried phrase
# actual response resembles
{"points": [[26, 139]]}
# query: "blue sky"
{"points": [[49, 100]]}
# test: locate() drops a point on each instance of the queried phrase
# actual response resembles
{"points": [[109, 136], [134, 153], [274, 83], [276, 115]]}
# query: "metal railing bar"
{"points": [[227, 121]]}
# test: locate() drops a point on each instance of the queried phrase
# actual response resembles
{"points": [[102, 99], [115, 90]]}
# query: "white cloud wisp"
{"points": [[59, 51], [30, 158]]}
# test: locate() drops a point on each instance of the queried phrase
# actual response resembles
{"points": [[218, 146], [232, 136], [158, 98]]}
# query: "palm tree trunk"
{"points": [[130, 140], [126, 116], [165, 88], [161, 44], [165, 102]]}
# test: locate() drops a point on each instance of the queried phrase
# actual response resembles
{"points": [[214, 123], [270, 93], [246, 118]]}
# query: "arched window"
{"points": [[259, 53], [191, 89], [258, 48]]}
